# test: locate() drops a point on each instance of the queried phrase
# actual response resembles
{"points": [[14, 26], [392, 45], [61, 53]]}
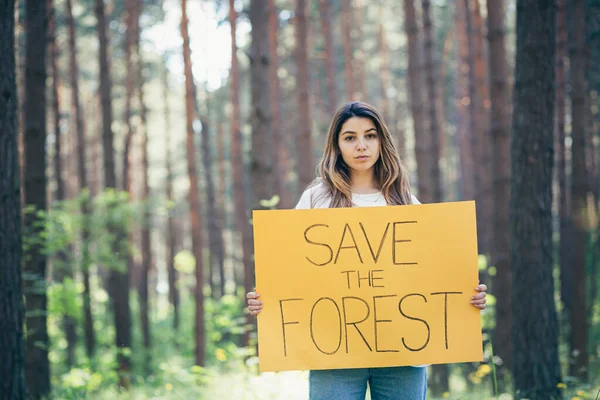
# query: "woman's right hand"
{"points": [[254, 304]]}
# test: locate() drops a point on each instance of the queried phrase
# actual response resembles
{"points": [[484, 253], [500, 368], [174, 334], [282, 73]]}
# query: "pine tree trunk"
{"points": [[193, 195], [463, 125], [221, 199], [239, 194], [328, 55], [350, 86], [88, 325], [119, 280], [37, 366], [440, 372], [146, 250], [566, 283], [384, 72], [304, 154], [12, 352], [415, 83], [215, 234], [536, 367], [280, 157], [171, 245], [579, 190], [63, 267], [500, 104]]}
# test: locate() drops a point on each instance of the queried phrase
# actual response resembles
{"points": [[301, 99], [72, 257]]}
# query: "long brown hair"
{"points": [[333, 172]]}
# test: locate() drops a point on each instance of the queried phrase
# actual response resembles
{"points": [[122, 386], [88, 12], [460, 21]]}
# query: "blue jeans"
{"points": [[387, 383]]}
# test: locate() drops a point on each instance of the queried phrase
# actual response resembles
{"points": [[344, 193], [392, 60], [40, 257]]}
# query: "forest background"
{"points": [[143, 133]]}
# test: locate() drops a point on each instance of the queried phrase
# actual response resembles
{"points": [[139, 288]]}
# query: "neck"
{"points": [[363, 182]]}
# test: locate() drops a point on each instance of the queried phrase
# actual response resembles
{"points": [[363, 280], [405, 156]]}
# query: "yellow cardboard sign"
{"points": [[367, 287]]}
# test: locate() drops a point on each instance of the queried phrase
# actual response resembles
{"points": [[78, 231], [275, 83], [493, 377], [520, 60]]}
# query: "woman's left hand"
{"points": [[478, 300]]}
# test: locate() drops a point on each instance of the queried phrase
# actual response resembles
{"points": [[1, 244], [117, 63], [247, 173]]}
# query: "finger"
{"points": [[254, 308], [478, 296], [254, 312], [482, 301], [253, 302], [252, 295], [481, 287]]}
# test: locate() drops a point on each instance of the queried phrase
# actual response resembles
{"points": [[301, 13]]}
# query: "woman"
{"points": [[361, 168]]}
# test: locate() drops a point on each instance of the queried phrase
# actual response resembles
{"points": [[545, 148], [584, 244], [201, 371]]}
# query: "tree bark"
{"points": [[304, 155], [440, 372], [146, 250], [63, 266], [12, 351], [580, 225], [500, 104], [463, 125], [171, 245], [37, 366], [76, 107], [347, 46], [239, 194], [281, 156], [221, 196], [536, 367], [328, 55], [119, 280], [415, 83], [384, 72], [193, 194]]}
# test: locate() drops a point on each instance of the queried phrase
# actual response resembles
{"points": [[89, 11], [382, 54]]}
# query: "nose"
{"points": [[361, 144]]}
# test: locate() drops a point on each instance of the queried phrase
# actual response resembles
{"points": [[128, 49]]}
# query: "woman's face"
{"points": [[359, 143]]}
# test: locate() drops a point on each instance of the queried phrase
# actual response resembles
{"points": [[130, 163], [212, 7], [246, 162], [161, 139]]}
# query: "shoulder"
{"points": [[314, 196], [414, 200]]}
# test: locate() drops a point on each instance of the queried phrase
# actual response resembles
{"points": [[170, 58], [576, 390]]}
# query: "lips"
{"points": [[362, 157]]}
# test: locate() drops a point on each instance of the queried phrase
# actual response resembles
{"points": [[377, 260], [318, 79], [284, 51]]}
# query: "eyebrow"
{"points": [[368, 130]]}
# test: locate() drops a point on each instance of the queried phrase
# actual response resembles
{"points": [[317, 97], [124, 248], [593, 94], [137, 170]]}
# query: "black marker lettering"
{"points": [[445, 312], [375, 257], [373, 277], [368, 278], [415, 319], [347, 228], [283, 323], [346, 323], [347, 276], [312, 336], [380, 320], [394, 241], [318, 244]]}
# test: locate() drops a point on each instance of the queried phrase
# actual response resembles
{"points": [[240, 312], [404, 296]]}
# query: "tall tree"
{"points": [[146, 249], [385, 72], [37, 366], [304, 155], [579, 190], [536, 368], [463, 123], [440, 372], [62, 267], [12, 352], [414, 81], [280, 157], [566, 285], [193, 194], [239, 194], [328, 54], [119, 279], [215, 234], [350, 86], [85, 207], [500, 130], [171, 245]]}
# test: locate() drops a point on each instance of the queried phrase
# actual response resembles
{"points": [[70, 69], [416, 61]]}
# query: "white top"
{"points": [[312, 198]]}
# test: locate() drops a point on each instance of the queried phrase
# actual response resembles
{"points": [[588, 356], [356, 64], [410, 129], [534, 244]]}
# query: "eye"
{"points": [[372, 135], [349, 138]]}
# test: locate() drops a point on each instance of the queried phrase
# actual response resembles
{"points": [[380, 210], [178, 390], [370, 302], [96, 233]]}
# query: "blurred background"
{"points": [[149, 129]]}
